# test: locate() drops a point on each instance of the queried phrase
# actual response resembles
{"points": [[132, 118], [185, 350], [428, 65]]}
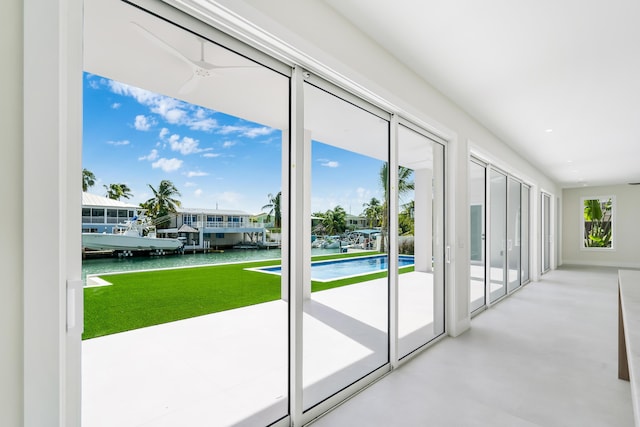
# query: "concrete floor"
{"points": [[545, 356], [231, 368]]}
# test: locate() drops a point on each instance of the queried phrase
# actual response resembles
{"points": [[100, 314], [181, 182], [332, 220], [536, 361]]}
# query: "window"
{"points": [[189, 219], [97, 216], [112, 216], [598, 226]]}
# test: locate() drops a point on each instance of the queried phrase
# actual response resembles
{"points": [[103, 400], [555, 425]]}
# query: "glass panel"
{"points": [[178, 117], [524, 259], [513, 235], [598, 222], [97, 216], [498, 240], [345, 322], [420, 201], [112, 216], [546, 232], [477, 190]]}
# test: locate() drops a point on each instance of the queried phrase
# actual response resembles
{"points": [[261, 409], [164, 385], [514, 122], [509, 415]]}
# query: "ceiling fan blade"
{"points": [[161, 43], [190, 85]]}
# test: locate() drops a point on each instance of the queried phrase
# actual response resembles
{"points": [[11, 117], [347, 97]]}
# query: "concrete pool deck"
{"points": [[230, 368]]}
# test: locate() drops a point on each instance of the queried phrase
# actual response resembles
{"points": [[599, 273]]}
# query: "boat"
{"points": [[137, 235], [334, 242]]}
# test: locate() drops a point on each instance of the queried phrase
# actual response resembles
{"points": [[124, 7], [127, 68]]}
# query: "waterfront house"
{"points": [[102, 215], [215, 228]]}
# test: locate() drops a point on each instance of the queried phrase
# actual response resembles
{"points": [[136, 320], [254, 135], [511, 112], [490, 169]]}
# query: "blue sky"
{"points": [[136, 137]]}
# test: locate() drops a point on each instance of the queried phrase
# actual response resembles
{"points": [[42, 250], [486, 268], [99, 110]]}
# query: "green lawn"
{"points": [[136, 300]]}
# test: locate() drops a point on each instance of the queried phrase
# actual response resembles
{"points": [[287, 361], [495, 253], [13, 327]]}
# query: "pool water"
{"points": [[120, 265], [323, 271]]}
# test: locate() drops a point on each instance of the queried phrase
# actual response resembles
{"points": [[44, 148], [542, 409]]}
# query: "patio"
{"points": [[230, 368]]}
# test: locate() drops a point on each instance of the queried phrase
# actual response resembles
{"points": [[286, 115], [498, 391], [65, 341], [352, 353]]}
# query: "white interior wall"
{"points": [[11, 288], [626, 253]]}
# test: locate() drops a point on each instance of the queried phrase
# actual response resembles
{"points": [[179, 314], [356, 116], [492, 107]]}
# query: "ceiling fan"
{"points": [[200, 67]]}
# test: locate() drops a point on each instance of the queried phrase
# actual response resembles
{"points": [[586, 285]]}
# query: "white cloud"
{"points": [[167, 165], [186, 146], [249, 132], [204, 124], [211, 155], [330, 164], [190, 184], [198, 192], [153, 155], [255, 132], [169, 109], [143, 122], [228, 144], [224, 130], [163, 132], [123, 142], [94, 84], [116, 105], [174, 116], [191, 174]]}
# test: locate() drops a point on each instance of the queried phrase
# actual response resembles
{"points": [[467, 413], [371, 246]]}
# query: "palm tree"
{"points": [[373, 211], [335, 221], [88, 179], [117, 191], [274, 208], [163, 202], [405, 185], [405, 221]]}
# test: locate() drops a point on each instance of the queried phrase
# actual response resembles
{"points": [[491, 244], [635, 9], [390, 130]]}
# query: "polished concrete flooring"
{"points": [[545, 356]]}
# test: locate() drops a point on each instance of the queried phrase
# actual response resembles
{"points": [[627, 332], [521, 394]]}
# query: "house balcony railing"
{"points": [[227, 224]]}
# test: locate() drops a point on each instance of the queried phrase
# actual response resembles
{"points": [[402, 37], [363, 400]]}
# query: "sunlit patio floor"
{"points": [[230, 368]]}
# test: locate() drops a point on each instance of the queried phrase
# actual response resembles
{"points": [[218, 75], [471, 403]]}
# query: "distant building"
{"points": [[212, 228], [355, 222], [102, 215]]}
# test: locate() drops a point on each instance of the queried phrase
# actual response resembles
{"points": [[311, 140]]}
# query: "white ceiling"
{"points": [[525, 67]]}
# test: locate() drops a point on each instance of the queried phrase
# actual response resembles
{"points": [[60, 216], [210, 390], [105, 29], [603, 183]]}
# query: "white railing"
{"points": [[229, 224]]}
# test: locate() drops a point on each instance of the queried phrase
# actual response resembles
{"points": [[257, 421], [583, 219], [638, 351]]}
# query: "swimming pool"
{"points": [[324, 271]]}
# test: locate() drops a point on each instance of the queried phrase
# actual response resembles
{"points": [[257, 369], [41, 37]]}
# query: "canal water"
{"points": [[118, 265]]}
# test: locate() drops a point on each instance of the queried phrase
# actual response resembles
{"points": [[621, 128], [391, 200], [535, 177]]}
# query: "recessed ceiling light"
{"points": [[549, 130]]}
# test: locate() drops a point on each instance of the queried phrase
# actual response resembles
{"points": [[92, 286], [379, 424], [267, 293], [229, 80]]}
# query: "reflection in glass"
{"points": [[513, 235], [420, 201], [345, 322], [477, 192], [498, 241]]}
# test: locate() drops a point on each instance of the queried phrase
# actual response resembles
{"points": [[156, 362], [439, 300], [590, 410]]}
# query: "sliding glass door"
{"points": [[346, 312], [514, 233], [420, 185], [524, 232], [508, 240], [498, 237], [477, 209], [546, 232]]}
